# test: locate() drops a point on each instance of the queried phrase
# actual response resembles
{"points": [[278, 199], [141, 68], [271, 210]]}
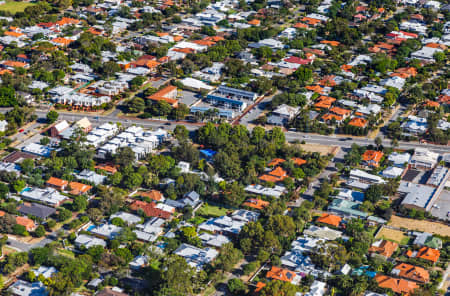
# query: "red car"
{"points": [[21, 130]]}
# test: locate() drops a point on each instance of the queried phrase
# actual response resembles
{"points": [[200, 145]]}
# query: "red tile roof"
{"points": [[150, 209], [411, 272], [397, 285], [330, 219], [385, 248]]}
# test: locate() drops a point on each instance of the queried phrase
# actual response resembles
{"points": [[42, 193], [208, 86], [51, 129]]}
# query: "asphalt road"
{"points": [[332, 140]]}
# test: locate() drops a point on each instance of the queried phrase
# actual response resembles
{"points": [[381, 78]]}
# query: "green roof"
{"points": [[433, 242], [346, 207]]}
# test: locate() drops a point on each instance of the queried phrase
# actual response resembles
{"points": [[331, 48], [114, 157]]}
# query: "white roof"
{"points": [[194, 83], [392, 172], [89, 241], [126, 217], [399, 158], [61, 126]]}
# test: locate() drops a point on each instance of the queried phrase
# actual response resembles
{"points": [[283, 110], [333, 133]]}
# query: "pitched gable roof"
{"points": [[329, 219], [397, 285]]}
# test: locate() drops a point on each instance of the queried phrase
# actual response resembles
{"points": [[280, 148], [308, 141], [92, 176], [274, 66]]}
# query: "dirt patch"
{"points": [[322, 149], [425, 226], [392, 235]]}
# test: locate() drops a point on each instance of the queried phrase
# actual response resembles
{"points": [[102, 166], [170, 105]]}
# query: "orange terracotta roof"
{"points": [[161, 34], [276, 175], [110, 168], [204, 42], [60, 183], [62, 41], [298, 161], [67, 21], [254, 22], [436, 45], [256, 203], [385, 248], [79, 188], [5, 71], [328, 81], [411, 272], [324, 102], [358, 122], [444, 99], [315, 88], [14, 64], [214, 38], [184, 50], [2, 213], [412, 71], [94, 31], [281, 274], [429, 254], [177, 38], [152, 64], [432, 104], [26, 222], [330, 219], [276, 161], [259, 286], [301, 26], [332, 43], [153, 194], [329, 116], [311, 21], [13, 34], [397, 285], [372, 157], [340, 111], [346, 68]]}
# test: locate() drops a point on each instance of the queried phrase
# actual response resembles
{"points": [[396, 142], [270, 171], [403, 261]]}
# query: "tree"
{"points": [[40, 231], [4, 190], [236, 286], [27, 165], [124, 156], [19, 185], [52, 116], [181, 132], [176, 277], [136, 105], [374, 193], [303, 74], [79, 203], [110, 68], [234, 194], [20, 230], [378, 142], [278, 288], [228, 257], [64, 215]]}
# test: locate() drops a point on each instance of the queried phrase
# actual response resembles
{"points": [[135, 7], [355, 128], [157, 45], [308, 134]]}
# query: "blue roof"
{"points": [[226, 100], [208, 152]]}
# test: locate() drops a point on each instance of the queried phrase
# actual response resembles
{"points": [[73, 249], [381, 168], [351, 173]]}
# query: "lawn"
{"points": [[420, 225], [393, 235], [211, 211], [15, 6]]}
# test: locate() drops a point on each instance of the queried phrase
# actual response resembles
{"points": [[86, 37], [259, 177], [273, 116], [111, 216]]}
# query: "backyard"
{"points": [[393, 235], [15, 6], [211, 211], [420, 225]]}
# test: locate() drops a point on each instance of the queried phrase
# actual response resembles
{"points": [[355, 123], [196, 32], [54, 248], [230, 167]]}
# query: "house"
{"points": [[329, 219], [57, 183], [276, 175], [167, 94], [37, 149], [317, 289], [56, 129], [213, 240], [128, 218], [282, 114], [277, 191], [372, 158], [427, 239], [256, 203], [106, 231], [87, 241], [36, 210], [77, 188], [346, 208], [392, 172], [399, 159], [351, 195], [91, 177], [26, 222], [323, 232], [3, 125], [139, 262], [106, 167], [383, 248], [416, 196], [111, 292], [150, 209], [424, 158], [196, 257], [45, 271], [47, 196], [224, 224], [411, 272], [150, 230], [399, 286], [358, 122], [365, 177], [153, 195], [425, 253], [23, 288], [276, 273]]}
